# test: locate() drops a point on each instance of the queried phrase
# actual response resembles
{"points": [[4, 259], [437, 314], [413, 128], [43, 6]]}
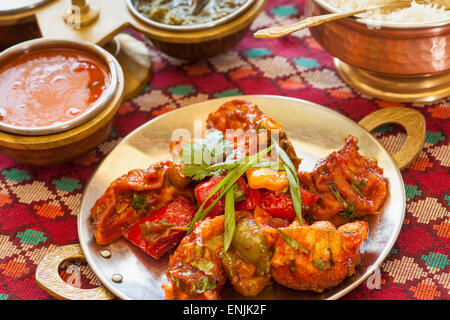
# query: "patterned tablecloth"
{"points": [[38, 205]]}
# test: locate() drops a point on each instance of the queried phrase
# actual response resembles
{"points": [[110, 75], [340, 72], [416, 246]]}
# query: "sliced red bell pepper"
{"points": [[154, 235], [308, 198], [280, 205], [253, 199], [204, 189]]}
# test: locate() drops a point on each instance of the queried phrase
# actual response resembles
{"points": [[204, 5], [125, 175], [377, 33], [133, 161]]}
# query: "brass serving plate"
{"points": [[314, 130]]}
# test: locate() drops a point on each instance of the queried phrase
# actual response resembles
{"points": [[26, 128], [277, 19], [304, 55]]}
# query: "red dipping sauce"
{"points": [[50, 86]]}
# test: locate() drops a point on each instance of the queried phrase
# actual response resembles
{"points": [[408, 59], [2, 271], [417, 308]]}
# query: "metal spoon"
{"points": [[197, 6], [280, 31]]}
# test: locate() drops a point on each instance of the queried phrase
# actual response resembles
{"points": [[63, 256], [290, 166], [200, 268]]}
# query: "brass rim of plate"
{"points": [[421, 88]]}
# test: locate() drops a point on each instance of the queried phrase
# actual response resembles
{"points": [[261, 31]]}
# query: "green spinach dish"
{"points": [[181, 13]]}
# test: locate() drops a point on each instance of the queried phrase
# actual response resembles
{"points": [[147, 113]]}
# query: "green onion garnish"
{"points": [[294, 183], [230, 219], [226, 184], [289, 240]]}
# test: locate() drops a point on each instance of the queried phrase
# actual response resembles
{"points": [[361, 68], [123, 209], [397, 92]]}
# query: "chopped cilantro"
{"points": [[349, 212], [359, 186], [322, 264], [139, 202], [196, 172], [199, 155], [332, 186]]}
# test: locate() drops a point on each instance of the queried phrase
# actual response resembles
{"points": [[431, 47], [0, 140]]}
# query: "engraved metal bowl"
{"points": [[199, 41], [104, 56], [195, 27]]}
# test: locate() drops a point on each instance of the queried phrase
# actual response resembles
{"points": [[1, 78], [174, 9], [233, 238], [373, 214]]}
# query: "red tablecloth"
{"points": [[38, 205]]}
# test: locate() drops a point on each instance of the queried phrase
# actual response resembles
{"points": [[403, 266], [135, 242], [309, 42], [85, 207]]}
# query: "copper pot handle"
{"points": [[414, 124], [47, 276]]}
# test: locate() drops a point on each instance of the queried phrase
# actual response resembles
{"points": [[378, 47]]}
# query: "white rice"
{"points": [[433, 10]]}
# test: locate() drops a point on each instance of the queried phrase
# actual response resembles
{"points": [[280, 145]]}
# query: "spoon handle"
{"points": [[280, 31], [197, 6]]}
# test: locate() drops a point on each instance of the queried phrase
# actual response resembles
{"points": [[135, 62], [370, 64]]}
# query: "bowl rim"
{"points": [[385, 24], [196, 27], [24, 8], [95, 108]]}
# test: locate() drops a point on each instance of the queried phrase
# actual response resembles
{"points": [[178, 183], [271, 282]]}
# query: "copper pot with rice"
{"points": [[391, 60]]}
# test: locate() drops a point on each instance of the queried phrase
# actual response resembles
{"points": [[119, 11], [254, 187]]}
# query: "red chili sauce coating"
{"points": [[49, 86]]}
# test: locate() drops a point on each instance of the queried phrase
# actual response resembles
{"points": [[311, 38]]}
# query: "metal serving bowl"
{"points": [[194, 27], [199, 41], [64, 141], [33, 45], [394, 61]]}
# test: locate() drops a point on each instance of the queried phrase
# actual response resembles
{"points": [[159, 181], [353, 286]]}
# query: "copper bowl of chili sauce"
{"points": [[49, 85], [72, 90], [403, 49]]}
